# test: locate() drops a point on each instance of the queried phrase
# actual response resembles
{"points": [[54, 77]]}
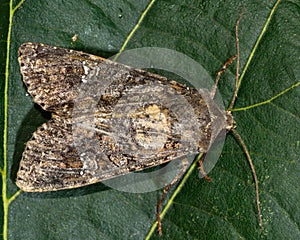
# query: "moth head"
{"points": [[230, 123]]}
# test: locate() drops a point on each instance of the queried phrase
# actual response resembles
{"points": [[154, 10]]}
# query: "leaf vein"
{"points": [[143, 15], [268, 100], [264, 29]]}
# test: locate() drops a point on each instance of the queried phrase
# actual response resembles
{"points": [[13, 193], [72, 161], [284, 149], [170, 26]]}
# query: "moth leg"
{"points": [[201, 169], [166, 191], [219, 74]]}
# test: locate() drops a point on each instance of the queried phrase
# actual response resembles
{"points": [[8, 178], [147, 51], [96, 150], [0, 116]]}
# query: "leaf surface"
{"points": [[266, 113]]}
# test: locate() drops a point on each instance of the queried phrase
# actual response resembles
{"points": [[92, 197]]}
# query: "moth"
{"points": [[96, 134], [109, 119]]}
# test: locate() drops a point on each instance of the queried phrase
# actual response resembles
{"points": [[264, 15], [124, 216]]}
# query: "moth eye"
{"points": [[42, 104]]}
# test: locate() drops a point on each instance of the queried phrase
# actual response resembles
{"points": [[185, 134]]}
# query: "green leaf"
{"points": [[266, 112]]}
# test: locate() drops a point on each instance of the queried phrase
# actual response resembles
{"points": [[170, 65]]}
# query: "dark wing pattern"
{"points": [[52, 75]]}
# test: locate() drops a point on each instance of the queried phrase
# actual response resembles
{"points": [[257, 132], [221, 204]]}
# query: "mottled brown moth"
{"points": [[53, 160]]}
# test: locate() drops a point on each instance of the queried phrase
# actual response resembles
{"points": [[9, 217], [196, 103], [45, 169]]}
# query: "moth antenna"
{"points": [[237, 73], [234, 131], [245, 149], [228, 62]]}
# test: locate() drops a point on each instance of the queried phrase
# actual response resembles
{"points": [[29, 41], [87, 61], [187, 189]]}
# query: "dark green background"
{"points": [[203, 30]]}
